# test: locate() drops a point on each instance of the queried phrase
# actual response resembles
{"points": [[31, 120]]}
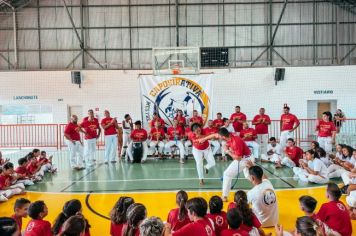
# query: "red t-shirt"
{"points": [[175, 222], [288, 121], [220, 222], [38, 228], [171, 132], [72, 130], [238, 146], [32, 167], [18, 222], [157, 134], [261, 128], [196, 120], [294, 153], [111, 130], [22, 170], [90, 128], [187, 131], [237, 116], [249, 131], [160, 120], [335, 215], [208, 130], [181, 121], [200, 146], [234, 232], [42, 159], [201, 227], [116, 229], [138, 135], [326, 128], [5, 181], [255, 222], [218, 123]]}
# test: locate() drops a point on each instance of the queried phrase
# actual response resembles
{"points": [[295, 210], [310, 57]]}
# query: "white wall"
{"points": [[250, 88]]}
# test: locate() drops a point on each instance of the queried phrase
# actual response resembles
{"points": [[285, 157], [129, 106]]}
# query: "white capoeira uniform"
{"points": [[285, 135], [236, 166], [174, 139], [215, 145], [154, 143], [89, 150], [351, 199], [125, 137], [110, 139], [316, 165], [157, 136], [276, 156], [335, 171], [187, 146], [325, 132], [326, 143], [90, 128], [288, 121], [14, 189], [76, 153], [262, 140]]}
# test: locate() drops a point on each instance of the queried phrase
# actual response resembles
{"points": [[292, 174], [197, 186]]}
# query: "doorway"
{"points": [[322, 107], [317, 107]]}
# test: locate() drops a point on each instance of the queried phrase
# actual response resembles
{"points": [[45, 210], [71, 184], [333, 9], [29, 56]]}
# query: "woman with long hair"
{"points": [[135, 214], [118, 215], [304, 226], [178, 217], [326, 132]]}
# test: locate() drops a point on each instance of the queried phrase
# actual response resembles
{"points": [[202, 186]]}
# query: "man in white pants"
{"points": [[240, 153], [249, 135], [110, 127], [261, 123], [174, 136], [127, 127], [156, 137], [90, 124], [288, 124], [74, 144], [274, 152], [213, 142]]}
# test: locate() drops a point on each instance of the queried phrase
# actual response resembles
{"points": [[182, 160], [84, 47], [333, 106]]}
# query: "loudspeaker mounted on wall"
{"points": [[279, 74], [76, 78]]}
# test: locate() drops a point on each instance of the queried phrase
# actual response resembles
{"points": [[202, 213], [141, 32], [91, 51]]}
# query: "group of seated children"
{"points": [[31, 169]]}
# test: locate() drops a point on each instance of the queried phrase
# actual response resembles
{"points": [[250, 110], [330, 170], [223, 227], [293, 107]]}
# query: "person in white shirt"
{"points": [[340, 163], [350, 170], [227, 125], [313, 171], [127, 127], [324, 157], [262, 197], [274, 152]]}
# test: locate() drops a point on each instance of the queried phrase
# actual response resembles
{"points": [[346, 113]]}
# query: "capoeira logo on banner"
{"points": [[166, 95]]}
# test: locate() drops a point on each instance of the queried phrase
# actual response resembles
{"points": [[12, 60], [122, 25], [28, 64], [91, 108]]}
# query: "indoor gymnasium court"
{"points": [[177, 117]]}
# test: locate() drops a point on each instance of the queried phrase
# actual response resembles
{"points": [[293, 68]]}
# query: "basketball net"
{"points": [[175, 69]]}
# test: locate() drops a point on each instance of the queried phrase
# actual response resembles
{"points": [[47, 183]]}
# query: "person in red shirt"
{"points": [[178, 217], [34, 168], [288, 124], [20, 211], [156, 137], [196, 119], [334, 213], [292, 155], [136, 213], [37, 226], [218, 122], [217, 215], [250, 224], [90, 125], [304, 225], [74, 225], [110, 127], [7, 178], [118, 215], [201, 150], [23, 175], [175, 135], [235, 220], [47, 162], [71, 208], [326, 132], [249, 135], [261, 123], [138, 135], [156, 118], [74, 144], [238, 118], [213, 142], [200, 224], [180, 119], [239, 152]]}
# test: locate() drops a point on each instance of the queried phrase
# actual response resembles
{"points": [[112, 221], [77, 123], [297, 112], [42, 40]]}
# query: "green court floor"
{"points": [[154, 175]]}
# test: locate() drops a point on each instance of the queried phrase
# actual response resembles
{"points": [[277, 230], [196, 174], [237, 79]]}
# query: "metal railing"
{"points": [[51, 135]]}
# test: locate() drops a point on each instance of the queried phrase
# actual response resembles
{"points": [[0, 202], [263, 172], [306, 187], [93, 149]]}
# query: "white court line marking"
{"points": [[189, 168], [136, 180]]}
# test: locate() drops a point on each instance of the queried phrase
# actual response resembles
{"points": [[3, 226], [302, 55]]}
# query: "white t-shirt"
{"points": [[126, 130], [353, 160], [277, 149], [264, 203], [318, 165]]}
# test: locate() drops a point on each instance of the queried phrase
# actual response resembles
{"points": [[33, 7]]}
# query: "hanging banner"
{"points": [[168, 94]]}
